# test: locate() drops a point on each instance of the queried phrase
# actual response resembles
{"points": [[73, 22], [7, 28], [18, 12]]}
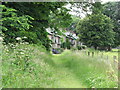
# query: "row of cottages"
{"points": [[72, 38], [56, 39]]}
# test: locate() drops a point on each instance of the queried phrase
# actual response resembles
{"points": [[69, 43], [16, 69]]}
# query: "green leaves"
{"points": [[20, 17], [96, 30], [60, 18], [10, 19], [11, 23], [111, 9]]}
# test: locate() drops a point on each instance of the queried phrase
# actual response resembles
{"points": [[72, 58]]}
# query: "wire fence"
{"points": [[111, 60]]}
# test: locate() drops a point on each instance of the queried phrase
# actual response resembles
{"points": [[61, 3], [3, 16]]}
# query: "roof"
{"points": [[48, 30], [73, 35], [67, 33]]}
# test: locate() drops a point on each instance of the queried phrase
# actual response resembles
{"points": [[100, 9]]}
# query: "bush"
{"points": [[66, 44], [73, 49], [25, 64], [60, 50], [84, 47], [63, 45], [80, 47]]}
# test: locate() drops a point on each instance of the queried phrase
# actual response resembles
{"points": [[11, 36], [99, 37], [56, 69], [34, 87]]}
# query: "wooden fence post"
{"points": [[115, 61], [97, 53], [88, 53], [107, 59], [92, 54], [114, 57], [101, 55]]}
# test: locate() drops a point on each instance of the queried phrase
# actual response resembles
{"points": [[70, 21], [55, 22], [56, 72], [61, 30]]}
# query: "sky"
{"points": [[83, 15], [104, 1]]}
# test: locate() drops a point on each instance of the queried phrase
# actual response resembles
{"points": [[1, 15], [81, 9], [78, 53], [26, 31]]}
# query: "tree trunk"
{"points": [[95, 47], [109, 48]]}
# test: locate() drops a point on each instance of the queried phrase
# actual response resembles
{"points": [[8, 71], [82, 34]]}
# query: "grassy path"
{"points": [[71, 69], [67, 78], [76, 70]]}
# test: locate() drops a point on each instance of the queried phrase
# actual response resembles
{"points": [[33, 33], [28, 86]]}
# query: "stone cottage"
{"points": [[56, 39]]}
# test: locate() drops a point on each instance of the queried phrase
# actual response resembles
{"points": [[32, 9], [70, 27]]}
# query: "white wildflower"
{"points": [[13, 47], [26, 42], [1, 39], [24, 37], [18, 38], [7, 50], [21, 53]]}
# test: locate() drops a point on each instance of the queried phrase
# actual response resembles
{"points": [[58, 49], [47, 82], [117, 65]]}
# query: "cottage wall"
{"points": [[56, 40], [56, 43], [50, 36]]}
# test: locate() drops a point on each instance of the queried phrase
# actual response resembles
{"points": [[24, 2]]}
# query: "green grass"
{"points": [[110, 54], [30, 66], [87, 70], [37, 71]]}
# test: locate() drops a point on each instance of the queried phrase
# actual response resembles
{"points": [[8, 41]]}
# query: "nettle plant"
{"points": [[20, 54]]}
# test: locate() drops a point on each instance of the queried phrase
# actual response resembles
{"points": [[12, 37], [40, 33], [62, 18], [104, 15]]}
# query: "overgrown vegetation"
{"points": [[91, 72], [27, 66], [97, 29], [31, 66], [19, 21], [112, 9], [27, 62]]}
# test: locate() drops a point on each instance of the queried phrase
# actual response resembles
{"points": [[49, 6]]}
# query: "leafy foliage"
{"points": [[66, 44], [112, 9], [73, 25], [97, 7], [28, 65], [60, 18], [45, 15], [81, 8], [13, 23], [96, 30]]}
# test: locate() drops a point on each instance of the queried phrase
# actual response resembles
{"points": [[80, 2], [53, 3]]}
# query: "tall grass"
{"points": [[31, 66], [88, 70], [27, 66], [110, 54]]}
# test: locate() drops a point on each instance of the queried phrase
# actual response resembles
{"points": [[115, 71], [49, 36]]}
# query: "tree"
{"points": [[112, 9], [81, 9], [41, 12], [60, 18], [97, 31], [11, 23], [97, 7], [73, 25]]}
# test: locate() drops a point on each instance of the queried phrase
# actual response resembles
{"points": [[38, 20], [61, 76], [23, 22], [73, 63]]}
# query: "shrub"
{"points": [[63, 45], [73, 49], [25, 64], [60, 50], [80, 47], [84, 47], [66, 44]]}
